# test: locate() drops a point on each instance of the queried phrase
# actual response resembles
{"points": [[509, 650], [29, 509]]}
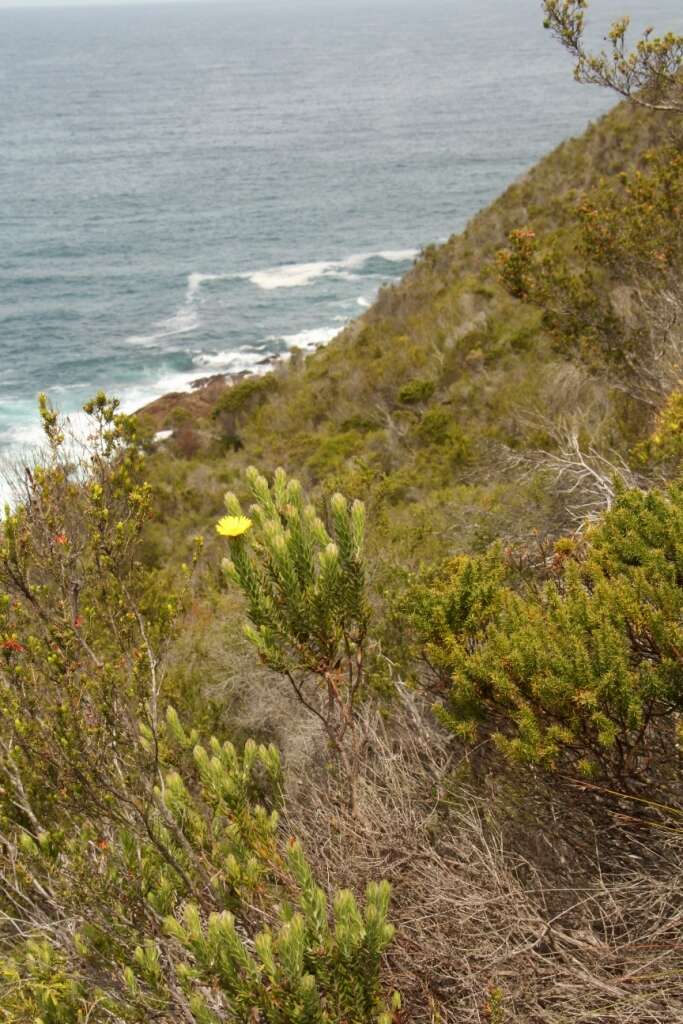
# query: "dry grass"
{"points": [[491, 898]]}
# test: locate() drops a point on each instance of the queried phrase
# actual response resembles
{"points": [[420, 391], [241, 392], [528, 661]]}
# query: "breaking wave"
{"points": [[299, 275], [186, 319], [310, 338]]}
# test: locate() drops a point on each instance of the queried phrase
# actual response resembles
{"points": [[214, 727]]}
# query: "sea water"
{"points": [[186, 189]]}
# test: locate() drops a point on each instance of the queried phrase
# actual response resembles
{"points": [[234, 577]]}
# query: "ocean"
{"points": [[188, 188]]}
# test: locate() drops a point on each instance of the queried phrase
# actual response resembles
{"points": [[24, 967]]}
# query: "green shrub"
{"points": [[448, 608], [238, 402], [305, 593], [195, 900], [587, 674], [608, 286], [177, 417], [332, 451], [359, 422], [435, 426], [145, 875], [245, 393], [664, 447], [416, 391], [438, 428]]}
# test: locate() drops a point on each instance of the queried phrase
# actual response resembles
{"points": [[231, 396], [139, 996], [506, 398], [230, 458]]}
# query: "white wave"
{"points": [[363, 302], [345, 275], [357, 261], [295, 276], [196, 280], [23, 440], [298, 275], [142, 394], [24, 444], [183, 322], [398, 255], [187, 318], [23, 435], [310, 338], [232, 360]]}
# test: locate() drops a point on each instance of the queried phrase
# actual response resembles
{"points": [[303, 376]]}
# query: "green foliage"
{"points": [[438, 427], [146, 875], [244, 394], [664, 447], [208, 907], [331, 452], [83, 625], [240, 400], [143, 874], [575, 302], [416, 391], [631, 225], [305, 593], [514, 264], [305, 969], [586, 674], [447, 609], [612, 295]]}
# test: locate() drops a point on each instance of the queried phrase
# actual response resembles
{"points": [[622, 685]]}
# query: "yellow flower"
{"points": [[233, 526]]}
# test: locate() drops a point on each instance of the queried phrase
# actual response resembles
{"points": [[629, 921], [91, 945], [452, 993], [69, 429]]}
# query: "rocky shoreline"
{"points": [[197, 403], [179, 411]]}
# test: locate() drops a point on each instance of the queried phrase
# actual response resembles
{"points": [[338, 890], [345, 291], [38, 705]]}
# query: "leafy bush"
{"points": [[611, 292], [416, 391], [332, 452], [588, 672], [664, 447], [238, 401], [245, 393], [305, 593], [183, 900], [437, 427], [145, 875], [448, 609]]}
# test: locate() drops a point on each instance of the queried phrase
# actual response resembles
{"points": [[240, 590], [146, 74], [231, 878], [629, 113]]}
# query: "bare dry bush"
{"points": [[507, 908], [586, 478]]}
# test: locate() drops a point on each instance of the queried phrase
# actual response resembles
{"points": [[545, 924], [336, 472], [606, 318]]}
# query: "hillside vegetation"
{"points": [[435, 405], [389, 732]]}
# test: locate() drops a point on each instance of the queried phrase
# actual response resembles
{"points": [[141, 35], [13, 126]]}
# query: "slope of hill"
{"points": [[434, 404], [481, 714]]}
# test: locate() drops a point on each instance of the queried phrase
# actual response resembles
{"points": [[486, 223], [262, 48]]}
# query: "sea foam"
{"points": [[299, 275], [311, 338], [186, 319], [230, 361], [398, 255]]}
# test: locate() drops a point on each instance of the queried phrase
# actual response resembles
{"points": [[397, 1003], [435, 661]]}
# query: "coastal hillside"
{"points": [[435, 406], [351, 691]]}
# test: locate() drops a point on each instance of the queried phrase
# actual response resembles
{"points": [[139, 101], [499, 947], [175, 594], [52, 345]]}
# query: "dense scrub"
{"points": [[456, 611], [583, 672]]}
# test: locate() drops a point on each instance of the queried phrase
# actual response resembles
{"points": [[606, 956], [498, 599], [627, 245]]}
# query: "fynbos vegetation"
{"points": [[458, 609]]}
